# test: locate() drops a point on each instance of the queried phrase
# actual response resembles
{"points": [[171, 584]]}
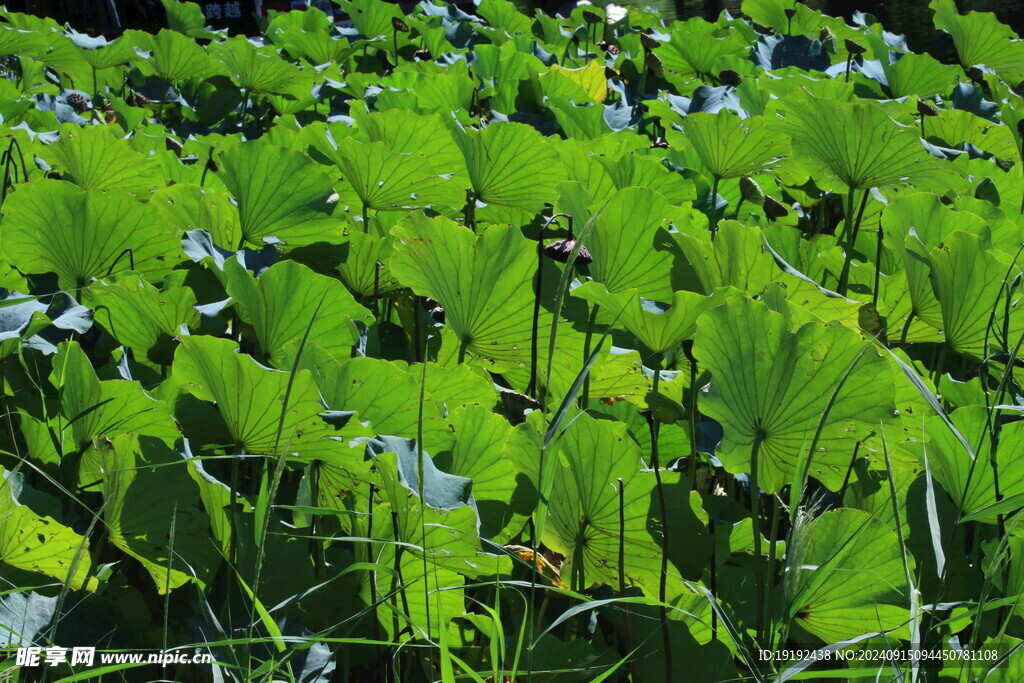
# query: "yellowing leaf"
{"points": [[591, 78]]}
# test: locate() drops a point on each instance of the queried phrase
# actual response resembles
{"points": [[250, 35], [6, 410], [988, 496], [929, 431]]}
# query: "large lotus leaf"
{"points": [[383, 179], [774, 385], [486, 450], [192, 207], [696, 46], [628, 242], [953, 467], [153, 513], [99, 52], [919, 74], [186, 18], [256, 70], [94, 159], [782, 52], [55, 226], [480, 280], [589, 80], [731, 147], [92, 408], [845, 576], [309, 35], [407, 132], [280, 193], [636, 170], [364, 269], [981, 39], [37, 325], [956, 127], [969, 283], [451, 388], [914, 225], [736, 258], [660, 326], [175, 57], [370, 17], [597, 459], [250, 399], [848, 145], [280, 303], [144, 318], [511, 164], [40, 544]]}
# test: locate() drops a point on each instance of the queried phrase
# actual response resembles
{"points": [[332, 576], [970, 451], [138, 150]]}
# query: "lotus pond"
{"points": [[498, 347]]}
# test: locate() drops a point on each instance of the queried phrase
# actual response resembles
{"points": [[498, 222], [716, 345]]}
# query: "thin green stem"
{"points": [[850, 233], [663, 583], [714, 207], [755, 514], [591, 320]]}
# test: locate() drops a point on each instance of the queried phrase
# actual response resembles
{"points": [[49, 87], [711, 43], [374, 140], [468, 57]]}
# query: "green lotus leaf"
{"points": [[94, 408], [40, 544], [731, 147], [597, 459], [55, 226], [256, 70], [175, 57], [969, 282], [914, 225], [630, 245], [845, 577], [250, 399], [278, 305], [850, 146], [919, 74], [771, 386], [372, 18], [100, 53], [406, 132], [486, 450], [956, 127], [152, 511], [970, 482], [736, 258], [696, 45], [280, 193], [511, 164], [186, 18], [384, 180], [144, 318], [192, 207], [94, 159], [660, 326], [309, 35], [474, 277], [981, 40]]}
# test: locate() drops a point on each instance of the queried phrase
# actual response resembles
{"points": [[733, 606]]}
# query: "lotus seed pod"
{"points": [[926, 108], [399, 25], [137, 100], [423, 55], [730, 77], [649, 42], [824, 34], [591, 17], [751, 191], [658, 144], [613, 49], [655, 65], [790, 13], [773, 208], [78, 102], [559, 250], [853, 47], [517, 404]]}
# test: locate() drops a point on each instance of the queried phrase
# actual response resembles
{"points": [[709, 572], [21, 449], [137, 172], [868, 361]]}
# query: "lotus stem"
{"points": [[714, 207], [663, 582], [627, 633], [773, 542], [849, 62], [878, 266], [850, 232], [755, 516], [534, 342]]}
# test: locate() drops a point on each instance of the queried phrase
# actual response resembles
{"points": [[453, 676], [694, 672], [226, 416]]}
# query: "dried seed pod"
{"points": [[173, 145], [926, 108], [976, 74], [423, 55], [730, 77], [824, 34], [773, 208], [751, 191], [78, 102], [853, 47], [591, 17], [603, 44], [613, 49], [137, 100], [559, 250], [399, 25], [648, 41], [790, 13], [658, 144], [655, 65]]}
